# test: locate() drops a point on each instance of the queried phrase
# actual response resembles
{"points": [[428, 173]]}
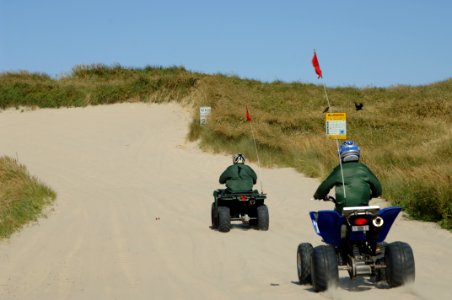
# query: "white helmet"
{"points": [[238, 158]]}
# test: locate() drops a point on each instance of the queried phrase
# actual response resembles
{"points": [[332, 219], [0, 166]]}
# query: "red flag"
{"points": [[248, 116], [315, 63]]}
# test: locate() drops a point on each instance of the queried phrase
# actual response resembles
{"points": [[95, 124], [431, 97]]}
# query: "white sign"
{"points": [[204, 112]]}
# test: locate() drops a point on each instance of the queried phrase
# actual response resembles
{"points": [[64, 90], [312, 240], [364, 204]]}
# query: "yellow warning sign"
{"points": [[336, 125]]}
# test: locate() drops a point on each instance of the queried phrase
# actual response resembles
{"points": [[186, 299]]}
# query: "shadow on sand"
{"points": [[359, 284], [243, 227]]}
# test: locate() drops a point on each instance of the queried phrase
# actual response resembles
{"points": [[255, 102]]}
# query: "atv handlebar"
{"points": [[327, 198]]}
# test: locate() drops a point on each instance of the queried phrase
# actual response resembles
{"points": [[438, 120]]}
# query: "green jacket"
{"points": [[360, 185], [238, 178]]}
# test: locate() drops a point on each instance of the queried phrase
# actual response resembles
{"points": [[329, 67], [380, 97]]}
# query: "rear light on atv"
{"points": [[243, 198], [360, 221]]}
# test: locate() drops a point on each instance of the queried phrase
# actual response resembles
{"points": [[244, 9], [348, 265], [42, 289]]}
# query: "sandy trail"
{"points": [[133, 213]]}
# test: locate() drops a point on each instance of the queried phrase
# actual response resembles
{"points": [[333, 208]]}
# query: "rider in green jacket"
{"points": [[359, 182], [238, 177]]}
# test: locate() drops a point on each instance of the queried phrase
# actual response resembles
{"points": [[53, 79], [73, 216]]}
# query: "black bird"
{"points": [[358, 105], [326, 109]]}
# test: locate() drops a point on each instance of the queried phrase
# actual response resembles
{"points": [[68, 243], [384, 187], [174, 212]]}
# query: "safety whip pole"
{"points": [[248, 119], [315, 63]]}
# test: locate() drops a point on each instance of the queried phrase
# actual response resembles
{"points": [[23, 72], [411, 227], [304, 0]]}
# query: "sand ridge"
{"points": [[132, 217]]}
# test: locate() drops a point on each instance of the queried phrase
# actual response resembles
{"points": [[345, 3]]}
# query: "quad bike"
{"points": [[247, 207], [355, 243]]}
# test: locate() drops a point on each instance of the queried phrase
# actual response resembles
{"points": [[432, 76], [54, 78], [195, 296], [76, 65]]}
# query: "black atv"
{"points": [[247, 207]]}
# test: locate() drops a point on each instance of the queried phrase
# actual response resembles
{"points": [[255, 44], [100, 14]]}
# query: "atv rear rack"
{"points": [[238, 196]]}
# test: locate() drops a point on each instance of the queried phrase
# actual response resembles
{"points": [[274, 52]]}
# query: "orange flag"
{"points": [[315, 63], [248, 116]]}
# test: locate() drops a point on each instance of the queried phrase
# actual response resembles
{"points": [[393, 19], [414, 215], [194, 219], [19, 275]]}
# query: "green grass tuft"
{"points": [[22, 197]]}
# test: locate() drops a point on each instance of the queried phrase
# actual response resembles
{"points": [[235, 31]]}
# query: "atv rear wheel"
{"points": [[324, 270], [214, 216], [224, 218], [304, 254], [399, 262], [262, 217]]}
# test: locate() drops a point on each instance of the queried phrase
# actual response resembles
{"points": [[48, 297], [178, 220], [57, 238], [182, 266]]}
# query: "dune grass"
{"points": [[22, 197], [93, 85], [405, 131]]}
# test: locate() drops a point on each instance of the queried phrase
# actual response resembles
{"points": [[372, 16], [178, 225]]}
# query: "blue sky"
{"points": [[359, 43]]}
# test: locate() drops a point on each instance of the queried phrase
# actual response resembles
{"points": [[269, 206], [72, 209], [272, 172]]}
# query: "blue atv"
{"points": [[355, 242]]}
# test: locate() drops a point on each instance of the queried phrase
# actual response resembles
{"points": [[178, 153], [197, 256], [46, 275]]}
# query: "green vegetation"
{"points": [[22, 197], [92, 85], [405, 131]]}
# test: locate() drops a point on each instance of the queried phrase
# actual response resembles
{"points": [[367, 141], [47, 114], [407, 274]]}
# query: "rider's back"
{"points": [[359, 182], [238, 178]]}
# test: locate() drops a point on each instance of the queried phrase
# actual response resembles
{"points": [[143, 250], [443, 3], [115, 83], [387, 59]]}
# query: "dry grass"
{"points": [[405, 134]]}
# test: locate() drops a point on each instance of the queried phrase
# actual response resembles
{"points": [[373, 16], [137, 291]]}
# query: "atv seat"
{"points": [[360, 210]]}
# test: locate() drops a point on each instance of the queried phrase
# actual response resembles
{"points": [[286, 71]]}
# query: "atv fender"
{"points": [[389, 214], [327, 224]]}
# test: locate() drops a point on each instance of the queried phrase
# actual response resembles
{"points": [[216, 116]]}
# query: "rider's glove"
{"points": [[329, 198]]}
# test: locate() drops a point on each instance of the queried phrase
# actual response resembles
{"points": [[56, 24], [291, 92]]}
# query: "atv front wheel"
{"points": [[262, 217], [399, 262], [304, 253], [224, 218], [324, 269]]}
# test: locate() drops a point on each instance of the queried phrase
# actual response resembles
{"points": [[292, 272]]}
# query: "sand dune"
{"points": [[132, 217]]}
